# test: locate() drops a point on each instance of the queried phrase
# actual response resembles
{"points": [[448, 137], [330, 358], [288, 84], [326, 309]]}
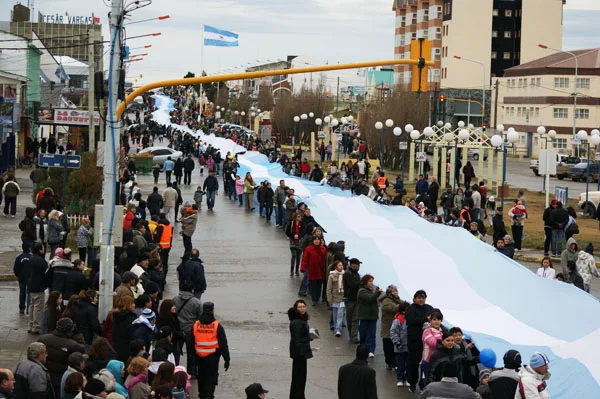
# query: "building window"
{"points": [[439, 12], [519, 112], [583, 83], [561, 83], [532, 82], [537, 112], [426, 34], [438, 33], [508, 13], [426, 15], [561, 113], [495, 12], [538, 82], [413, 36], [507, 34], [506, 56], [559, 144], [494, 55], [582, 114], [520, 83], [494, 33]]}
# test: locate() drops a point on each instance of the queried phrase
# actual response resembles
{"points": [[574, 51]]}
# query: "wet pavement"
{"points": [[247, 266]]}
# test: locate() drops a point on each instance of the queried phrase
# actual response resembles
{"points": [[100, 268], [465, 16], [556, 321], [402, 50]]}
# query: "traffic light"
{"points": [[442, 98], [484, 126], [420, 50]]}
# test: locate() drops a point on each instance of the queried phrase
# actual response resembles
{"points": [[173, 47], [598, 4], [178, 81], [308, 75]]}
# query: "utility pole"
{"points": [[111, 149], [91, 127]]}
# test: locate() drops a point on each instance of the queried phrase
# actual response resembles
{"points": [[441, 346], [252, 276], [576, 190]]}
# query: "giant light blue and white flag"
{"points": [[220, 38]]}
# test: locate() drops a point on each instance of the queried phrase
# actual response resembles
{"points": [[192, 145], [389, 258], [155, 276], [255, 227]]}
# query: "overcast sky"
{"points": [[333, 31]]}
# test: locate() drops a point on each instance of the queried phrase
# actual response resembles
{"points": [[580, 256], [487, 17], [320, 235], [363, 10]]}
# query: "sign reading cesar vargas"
{"points": [[68, 19]]}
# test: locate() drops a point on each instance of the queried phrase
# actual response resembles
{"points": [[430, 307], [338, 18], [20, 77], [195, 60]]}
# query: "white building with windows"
{"points": [[541, 92]]}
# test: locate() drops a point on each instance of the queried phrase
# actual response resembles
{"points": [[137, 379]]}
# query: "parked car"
{"points": [[579, 172], [563, 167], [593, 201], [473, 153], [161, 154], [534, 165]]}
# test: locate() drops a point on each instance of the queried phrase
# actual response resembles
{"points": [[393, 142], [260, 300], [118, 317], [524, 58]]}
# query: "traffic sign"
{"points": [[58, 161], [321, 134], [403, 145], [421, 157]]}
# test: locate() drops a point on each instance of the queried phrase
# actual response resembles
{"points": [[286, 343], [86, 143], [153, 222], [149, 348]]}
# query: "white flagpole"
{"points": [[202, 70]]}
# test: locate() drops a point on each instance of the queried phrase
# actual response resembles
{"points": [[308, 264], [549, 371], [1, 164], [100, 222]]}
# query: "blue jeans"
{"points": [[367, 330], [231, 189], [401, 365], [338, 318], [23, 295], [558, 236], [210, 199], [217, 168], [425, 373], [279, 214], [304, 285], [446, 214]]}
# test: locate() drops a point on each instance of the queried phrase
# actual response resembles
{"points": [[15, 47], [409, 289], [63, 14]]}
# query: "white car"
{"points": [[593, 201], [473, 153], [161, 154]]}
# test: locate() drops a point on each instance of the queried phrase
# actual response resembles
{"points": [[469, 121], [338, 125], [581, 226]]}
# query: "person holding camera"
{"points": [[368, 312]]}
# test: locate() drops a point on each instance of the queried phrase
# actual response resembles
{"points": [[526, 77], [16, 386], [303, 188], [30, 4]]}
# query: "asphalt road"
{"points": [[519, 175]]}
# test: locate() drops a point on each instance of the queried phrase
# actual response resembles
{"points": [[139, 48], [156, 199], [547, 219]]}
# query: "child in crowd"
{"points": [[483, 389], [198, 194], [400, 340], [432, 331], [469, 364]]}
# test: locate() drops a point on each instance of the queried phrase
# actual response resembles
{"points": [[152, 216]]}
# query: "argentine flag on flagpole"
{"points": [[220, 38]]}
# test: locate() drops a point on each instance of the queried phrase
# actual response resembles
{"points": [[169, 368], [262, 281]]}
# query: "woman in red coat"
{"points": [[313, 261]]}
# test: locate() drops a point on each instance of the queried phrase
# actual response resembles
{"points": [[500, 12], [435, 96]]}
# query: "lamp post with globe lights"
{"points": [[304, 118], [548, 138], [297, 121], [380, 126], [398, 133], [333, 135], [503, 144], [318, 122], [242, 118]]}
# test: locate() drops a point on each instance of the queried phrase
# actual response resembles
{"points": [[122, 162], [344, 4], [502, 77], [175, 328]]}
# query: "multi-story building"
{"points": [[67, 36], [417, 19], [540, 93], [489, 35]]}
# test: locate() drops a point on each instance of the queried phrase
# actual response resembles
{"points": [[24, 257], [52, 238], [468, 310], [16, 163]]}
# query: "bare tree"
{"points": [[402, 108], [265, 98]]}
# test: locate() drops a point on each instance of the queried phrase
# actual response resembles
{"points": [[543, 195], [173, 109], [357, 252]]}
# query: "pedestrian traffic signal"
{"points": [[442, 98]]}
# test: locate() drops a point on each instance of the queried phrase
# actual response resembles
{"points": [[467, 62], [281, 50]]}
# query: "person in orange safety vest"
{"points": [[210, 343]]}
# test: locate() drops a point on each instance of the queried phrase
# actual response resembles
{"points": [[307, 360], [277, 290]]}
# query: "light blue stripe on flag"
{"points": [[218, 37]]}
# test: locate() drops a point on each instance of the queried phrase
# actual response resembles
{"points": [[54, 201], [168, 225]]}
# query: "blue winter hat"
{"points": [[538, 359], [148, 314]]}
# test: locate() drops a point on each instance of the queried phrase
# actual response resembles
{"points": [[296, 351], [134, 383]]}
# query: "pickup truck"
{"points": [[593, 201], [563, 163], [579, 172]]}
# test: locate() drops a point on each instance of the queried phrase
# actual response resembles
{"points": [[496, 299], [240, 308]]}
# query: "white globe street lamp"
{"points": [[464, 134], [414, 134], [409, 128], [428, 131], [512, 136], [318, 122], [327, 119], [389, 123], [595, 139], [296, 119], [397, 131], [311, 114], [378, 125], [541, 130], [582, 135], [335, 123], [500, 128], [552, 134], [595, 132], [461, 124], [496, 140], [449, 137]]}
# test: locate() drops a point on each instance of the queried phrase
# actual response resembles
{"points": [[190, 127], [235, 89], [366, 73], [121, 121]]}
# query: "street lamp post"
{"points": [[304, 118], [541, 130], [575, 83], [483, 85], [502, 145], [297, 120], [237, 116], [398, 132], [334, 124]]}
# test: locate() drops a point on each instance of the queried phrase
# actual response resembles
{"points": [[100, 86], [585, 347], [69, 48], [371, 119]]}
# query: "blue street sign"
{"points": [[58, 161]]}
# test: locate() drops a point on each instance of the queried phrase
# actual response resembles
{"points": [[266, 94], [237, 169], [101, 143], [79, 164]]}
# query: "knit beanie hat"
{"points": [[483, 374], [148, 314], [538, 359], [64, 325], [94, 387], [512, 359]]}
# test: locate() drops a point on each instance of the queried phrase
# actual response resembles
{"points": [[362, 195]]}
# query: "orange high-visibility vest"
{"points": [[205, 338], [166, 236]]}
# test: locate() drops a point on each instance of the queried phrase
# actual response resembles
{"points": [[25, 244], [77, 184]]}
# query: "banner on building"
{"points": [[64, 116]]}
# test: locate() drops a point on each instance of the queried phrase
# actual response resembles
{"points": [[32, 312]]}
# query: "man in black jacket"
{"points": [[416, 315], [68, 279], [19, 271], [188, 167], [351, 281], [503, 382], [559, 217], [154, 202], [211, 186], [36, 269], [193, 271], [499, 227], [356, 380], [205, 332]]}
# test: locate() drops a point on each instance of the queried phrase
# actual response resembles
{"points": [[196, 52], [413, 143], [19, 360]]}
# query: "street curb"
{"points": [[533, 259], [8, 277]]}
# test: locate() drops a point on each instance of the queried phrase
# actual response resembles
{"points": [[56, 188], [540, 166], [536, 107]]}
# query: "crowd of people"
{"points": [[136, 351]]}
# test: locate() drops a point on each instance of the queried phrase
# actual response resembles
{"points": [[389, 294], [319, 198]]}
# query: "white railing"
{"points": [[75, 220]]}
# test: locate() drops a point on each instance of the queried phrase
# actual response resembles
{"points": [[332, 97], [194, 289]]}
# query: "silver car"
{"points": [[161, 154]]}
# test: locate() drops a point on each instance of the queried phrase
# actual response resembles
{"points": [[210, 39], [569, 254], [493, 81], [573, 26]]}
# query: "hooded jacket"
{"points": [[189, 309], [335, 287], [389, 308], [313, 260], [569, 255], [86, 319], [193, 271], [36, 269], [586, 266], [532, 385], [27, 226], [189, 222], [299, 336], [116, 368], [398, 334]]}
